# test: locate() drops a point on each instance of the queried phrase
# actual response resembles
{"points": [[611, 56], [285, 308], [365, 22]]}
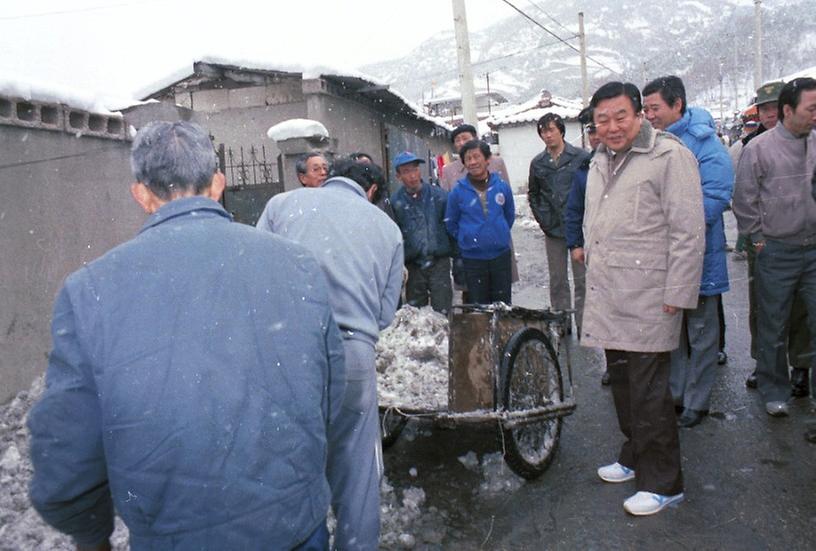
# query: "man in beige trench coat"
{"points": [[644, 241]]}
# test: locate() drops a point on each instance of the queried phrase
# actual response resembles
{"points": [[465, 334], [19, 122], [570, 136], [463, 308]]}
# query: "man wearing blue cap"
{"points": [[419, 211]]}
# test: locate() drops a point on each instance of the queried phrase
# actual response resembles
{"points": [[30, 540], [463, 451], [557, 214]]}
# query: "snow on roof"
{"points": [[297, 128], [532, 110], [809, 72], [286, 66], [72, 97]]}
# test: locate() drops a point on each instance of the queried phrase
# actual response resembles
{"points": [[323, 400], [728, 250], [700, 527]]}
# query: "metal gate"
{"points": [[252, 180]]}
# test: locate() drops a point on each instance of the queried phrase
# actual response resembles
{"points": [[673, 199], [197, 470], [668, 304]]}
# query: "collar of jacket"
{"points": [[786, 134], [695, 121], [341, 182], [643, 143], [491, 181], [182, 207]]}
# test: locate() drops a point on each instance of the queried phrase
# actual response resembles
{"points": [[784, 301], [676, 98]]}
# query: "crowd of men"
{"points": [[215, 384]]}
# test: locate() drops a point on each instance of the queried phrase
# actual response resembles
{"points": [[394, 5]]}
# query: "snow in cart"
{"points": [[488, 364]]}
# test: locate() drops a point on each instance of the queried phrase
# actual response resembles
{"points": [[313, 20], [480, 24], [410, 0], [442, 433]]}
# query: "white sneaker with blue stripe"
{"points": [[616, 473], [647, 503]]}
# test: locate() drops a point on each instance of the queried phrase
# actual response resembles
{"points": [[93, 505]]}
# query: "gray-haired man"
{"points": [[193, 374], [312, 169], [360, 250]]}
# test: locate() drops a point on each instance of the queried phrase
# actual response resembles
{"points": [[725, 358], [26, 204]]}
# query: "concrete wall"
{"points": [[64, 200], [518, 145]]}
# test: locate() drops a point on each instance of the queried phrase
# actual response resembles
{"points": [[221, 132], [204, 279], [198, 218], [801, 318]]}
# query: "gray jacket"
{"points": [[644, 239], [356, 244], [773, 196]]}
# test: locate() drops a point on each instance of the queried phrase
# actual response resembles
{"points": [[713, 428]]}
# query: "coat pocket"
{"points": [[636, 284]]}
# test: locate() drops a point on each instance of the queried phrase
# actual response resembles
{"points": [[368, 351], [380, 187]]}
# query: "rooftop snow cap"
{"points": [[769, 92], [406, 157]]}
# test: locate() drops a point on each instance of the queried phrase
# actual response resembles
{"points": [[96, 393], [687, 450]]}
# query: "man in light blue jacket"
{"points": [[694, 363], [360, 249], [194, 372]]}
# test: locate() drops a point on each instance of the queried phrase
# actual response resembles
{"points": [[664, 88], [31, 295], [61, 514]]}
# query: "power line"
{"points": [[551, 17], [78, 10], [548, 31]]}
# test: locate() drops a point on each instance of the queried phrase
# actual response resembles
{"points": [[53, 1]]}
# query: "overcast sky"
{"points": [[118, 47]]}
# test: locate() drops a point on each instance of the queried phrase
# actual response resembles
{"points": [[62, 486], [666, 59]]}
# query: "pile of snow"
{"points": [[404, 522], [497, 477], [412, 360], [298, 128], [20, 525], [54, 93], [524, 216]]}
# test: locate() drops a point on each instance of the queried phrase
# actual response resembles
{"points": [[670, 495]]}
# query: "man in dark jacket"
{"points": [[549, 183], [694, 363], [419, 211], [191, 384]]}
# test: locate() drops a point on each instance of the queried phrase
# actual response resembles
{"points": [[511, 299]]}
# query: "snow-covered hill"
{"points": [[635, 41]]}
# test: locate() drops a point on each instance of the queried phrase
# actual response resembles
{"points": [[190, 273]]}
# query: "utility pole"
{"points": [[463, 58], [757, 43], [487, 78], [584, 80], [643, 73]]}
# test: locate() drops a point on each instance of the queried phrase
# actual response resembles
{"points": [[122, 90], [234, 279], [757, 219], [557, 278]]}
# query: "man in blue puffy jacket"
{"points": [[419, 211], [694, 362], [194, 373], [479, 215]]}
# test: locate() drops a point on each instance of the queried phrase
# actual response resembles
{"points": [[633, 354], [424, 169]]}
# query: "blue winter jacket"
{"points": [[697, 130], [422, 222], [478, 236], [193, 372], [574, 212]]}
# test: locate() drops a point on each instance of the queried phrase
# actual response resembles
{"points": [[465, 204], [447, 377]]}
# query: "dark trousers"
{"points": [[431, 283], [643, 402], [317, 541], [784, 275], [721, 319], [489, 281], [798, 338]]}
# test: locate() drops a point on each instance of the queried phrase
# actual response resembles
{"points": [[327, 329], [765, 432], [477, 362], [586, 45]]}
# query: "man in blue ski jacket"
{"points": [[694, 362]]}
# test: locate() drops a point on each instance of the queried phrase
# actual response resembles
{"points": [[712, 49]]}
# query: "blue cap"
{"points": [[406, 157]]}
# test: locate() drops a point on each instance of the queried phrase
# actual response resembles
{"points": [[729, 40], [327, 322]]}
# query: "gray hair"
{"points": [[173, 157], [300, 164]]}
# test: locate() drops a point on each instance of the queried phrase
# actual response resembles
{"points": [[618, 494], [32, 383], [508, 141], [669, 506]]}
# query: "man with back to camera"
{"points": [[643, 244], [549, 184], [694, 363], [775, 204], [360, 251], [419, 210], [176, 357]]}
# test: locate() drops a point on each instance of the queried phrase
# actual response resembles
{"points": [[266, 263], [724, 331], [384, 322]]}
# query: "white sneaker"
{"points": [[777, 409], [647, 503], [616, 473]]}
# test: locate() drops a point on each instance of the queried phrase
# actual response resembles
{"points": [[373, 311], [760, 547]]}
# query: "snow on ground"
{"points": [[497, 478], [412, 360], [406, 523], [524, 216]]}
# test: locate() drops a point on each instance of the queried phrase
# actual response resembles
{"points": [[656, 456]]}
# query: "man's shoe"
{"points": [[690, 418], [722, 357], [605, 378], [616, 473], [777, 409], [799, 382], [751, 381], [647, 503]]}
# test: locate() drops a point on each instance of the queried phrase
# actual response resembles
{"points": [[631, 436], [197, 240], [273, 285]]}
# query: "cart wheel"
{"points": [[391, 425], [530, 378]]}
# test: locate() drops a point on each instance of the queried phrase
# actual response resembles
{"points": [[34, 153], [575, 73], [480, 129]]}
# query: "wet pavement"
{"points": [[750, 479]]}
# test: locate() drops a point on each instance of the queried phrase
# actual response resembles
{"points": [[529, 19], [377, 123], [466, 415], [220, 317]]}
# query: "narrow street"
{"points": [[750, 479]]}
